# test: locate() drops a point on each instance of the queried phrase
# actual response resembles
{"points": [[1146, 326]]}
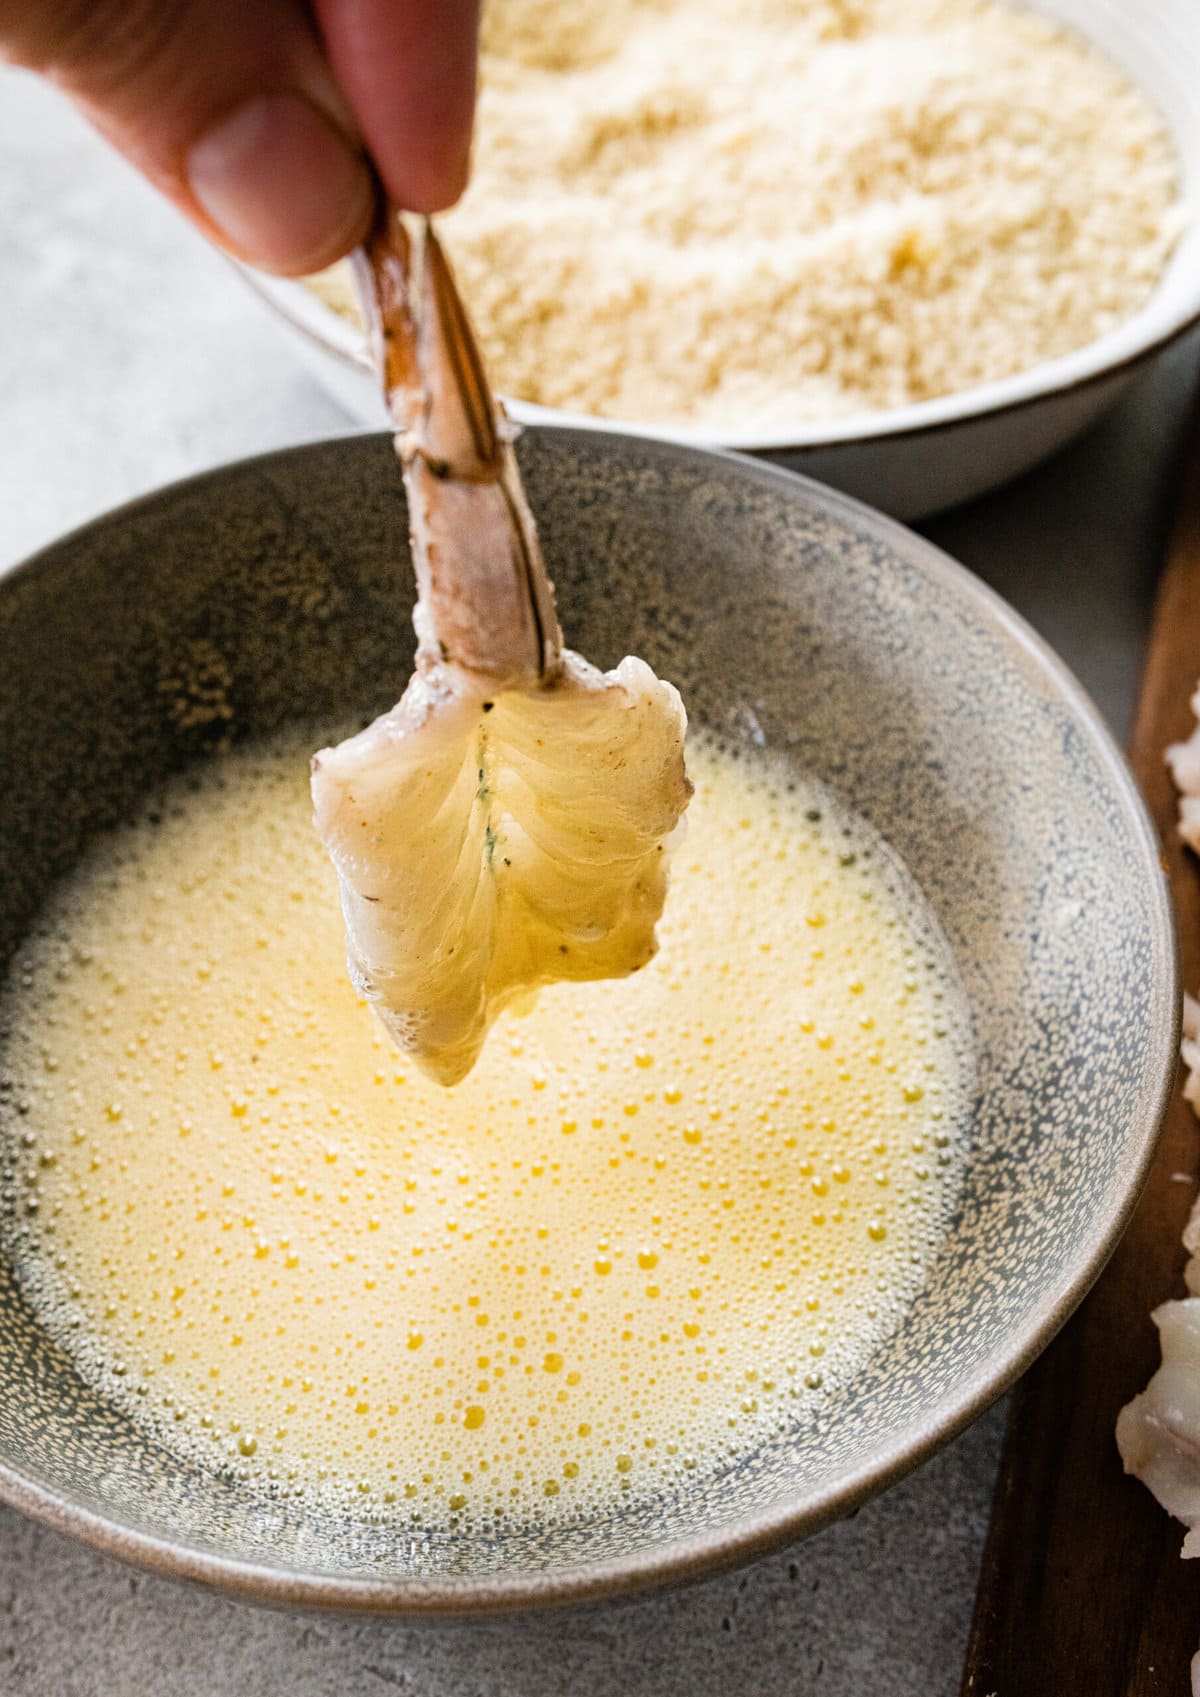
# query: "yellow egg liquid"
{"points": [[663, 1218]]}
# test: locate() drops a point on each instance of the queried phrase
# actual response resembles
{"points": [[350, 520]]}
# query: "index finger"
{"points": [[408, 70]]}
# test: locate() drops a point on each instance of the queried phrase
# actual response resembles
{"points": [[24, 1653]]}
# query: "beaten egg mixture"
{"points": [[661, 1218]]}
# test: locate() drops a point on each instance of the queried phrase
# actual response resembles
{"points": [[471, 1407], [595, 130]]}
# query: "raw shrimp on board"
{"points": [[1184, 760], [508, 822], [1158, 1432]]}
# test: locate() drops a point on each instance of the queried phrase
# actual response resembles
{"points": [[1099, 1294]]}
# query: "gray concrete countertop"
{"points": [[130, 355]]}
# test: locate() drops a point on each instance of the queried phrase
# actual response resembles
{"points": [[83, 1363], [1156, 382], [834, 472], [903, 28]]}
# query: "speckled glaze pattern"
{"points": [[790, 618]]}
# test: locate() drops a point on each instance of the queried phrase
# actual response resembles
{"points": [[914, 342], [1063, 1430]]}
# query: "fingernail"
{"points": [[283, 185]]}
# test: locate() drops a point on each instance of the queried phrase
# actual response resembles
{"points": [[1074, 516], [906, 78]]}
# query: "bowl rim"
{"points": [[757, 1533]]}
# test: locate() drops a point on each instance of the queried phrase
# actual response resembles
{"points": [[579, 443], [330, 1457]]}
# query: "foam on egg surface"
{"points": [[662, 1218]]}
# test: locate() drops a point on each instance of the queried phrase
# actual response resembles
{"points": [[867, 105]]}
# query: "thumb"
{"points": [[228, 106]]}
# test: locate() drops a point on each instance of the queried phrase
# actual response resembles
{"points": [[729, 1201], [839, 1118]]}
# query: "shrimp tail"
{"points": [[485, 603]]}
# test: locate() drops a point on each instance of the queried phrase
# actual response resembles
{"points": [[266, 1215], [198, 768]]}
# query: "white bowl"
{"points": [[915, 460]]}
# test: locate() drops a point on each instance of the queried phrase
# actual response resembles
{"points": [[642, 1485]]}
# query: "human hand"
{"points": [[257, 118]]}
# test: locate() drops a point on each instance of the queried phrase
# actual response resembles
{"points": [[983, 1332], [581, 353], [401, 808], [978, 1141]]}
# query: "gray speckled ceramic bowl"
{"points": [[788, 616]]}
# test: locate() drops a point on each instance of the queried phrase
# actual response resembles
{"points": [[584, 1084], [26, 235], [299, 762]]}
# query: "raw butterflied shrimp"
{"points": [[1184, 760], [508, 822], [1158, 1432]]}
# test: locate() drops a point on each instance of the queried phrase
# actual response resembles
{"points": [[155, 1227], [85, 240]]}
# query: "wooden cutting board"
{"points": [[1081, 1588]]}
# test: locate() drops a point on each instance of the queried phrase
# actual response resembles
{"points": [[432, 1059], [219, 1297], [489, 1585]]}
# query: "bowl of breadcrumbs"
{"points": [[908, 246]]}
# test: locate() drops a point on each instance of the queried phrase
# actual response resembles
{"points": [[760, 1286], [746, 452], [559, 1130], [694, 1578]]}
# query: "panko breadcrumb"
{"points": [[740, 214]]}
